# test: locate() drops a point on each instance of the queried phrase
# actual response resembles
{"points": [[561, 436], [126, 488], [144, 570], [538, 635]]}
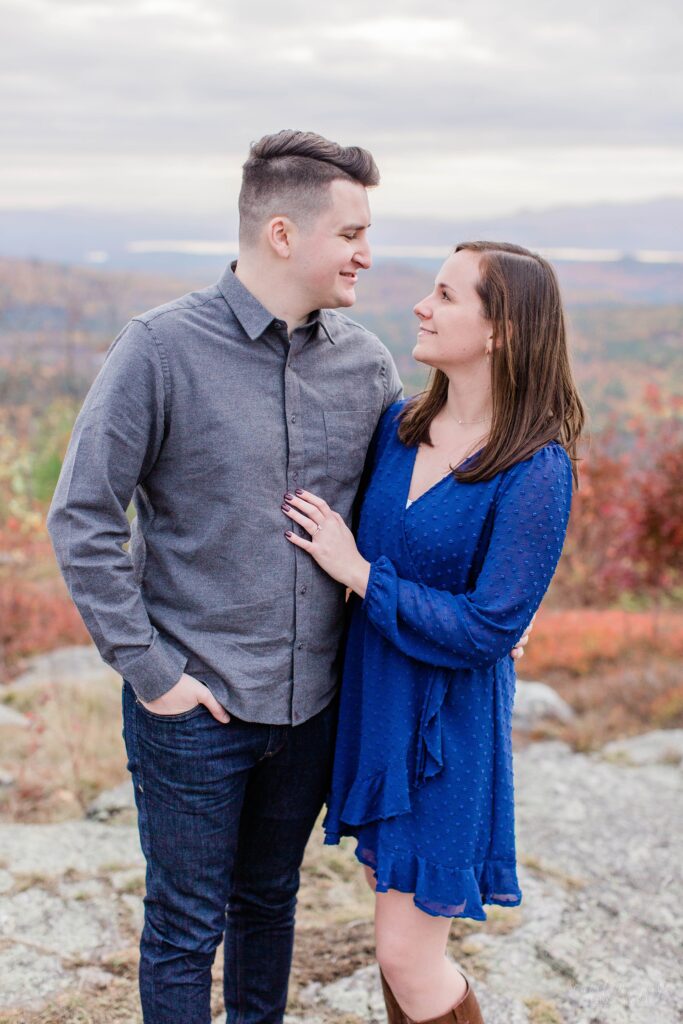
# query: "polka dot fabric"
{"points": [[423, 766]]}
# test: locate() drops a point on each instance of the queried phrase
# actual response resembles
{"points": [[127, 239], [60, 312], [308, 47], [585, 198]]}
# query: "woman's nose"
{"points": [[422, 310]]}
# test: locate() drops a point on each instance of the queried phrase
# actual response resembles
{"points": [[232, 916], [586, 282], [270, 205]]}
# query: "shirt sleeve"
{"points": [[377, 444], [393, 389], [115, 442], [478, 628]]}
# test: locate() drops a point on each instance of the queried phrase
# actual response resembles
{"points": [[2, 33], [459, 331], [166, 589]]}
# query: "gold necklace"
{"points": [[467, 423]]}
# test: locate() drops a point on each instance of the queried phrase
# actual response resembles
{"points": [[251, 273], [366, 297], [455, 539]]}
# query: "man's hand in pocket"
{"points": [[184, 696]]}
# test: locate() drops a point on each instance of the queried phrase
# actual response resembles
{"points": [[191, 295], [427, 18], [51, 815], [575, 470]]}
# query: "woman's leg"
{"points": [[411, 951]]}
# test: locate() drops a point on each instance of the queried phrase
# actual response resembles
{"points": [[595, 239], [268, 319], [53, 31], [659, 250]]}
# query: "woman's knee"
{"points": [[396, 955], [408, 942]]}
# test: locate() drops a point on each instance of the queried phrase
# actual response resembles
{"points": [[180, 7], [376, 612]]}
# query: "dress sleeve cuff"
{"points": [[381, 582], [153, 673]]}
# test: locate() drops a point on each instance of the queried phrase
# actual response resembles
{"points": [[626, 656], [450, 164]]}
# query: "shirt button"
{"points": [[295, 476], [293, 419], [300, 647], [302, 590]]}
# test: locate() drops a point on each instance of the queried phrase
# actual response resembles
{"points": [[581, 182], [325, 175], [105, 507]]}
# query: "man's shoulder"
{"points": [[178, 309], [344, 329]]}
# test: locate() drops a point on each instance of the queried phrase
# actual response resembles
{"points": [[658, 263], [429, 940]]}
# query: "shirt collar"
{"points": [[254, 317]]}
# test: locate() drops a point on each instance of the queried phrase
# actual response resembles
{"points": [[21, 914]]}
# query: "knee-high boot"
{"points": [[467, 1011], [395, 1014]]}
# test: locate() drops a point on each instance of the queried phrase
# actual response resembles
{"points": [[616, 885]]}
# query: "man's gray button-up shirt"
{"points": [[204, 413]]}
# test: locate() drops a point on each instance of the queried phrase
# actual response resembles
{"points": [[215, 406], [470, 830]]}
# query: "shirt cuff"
{"points": [[155, 672]]}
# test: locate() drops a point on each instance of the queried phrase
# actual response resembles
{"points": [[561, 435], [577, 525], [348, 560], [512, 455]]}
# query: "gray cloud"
{"points": [[169, 79]]}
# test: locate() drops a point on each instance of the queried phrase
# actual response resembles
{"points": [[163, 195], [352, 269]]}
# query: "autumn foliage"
{"points": [[622, 563], [583, 640], [625, 538]]}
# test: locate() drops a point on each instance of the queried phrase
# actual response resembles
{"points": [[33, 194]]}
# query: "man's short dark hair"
{"points": [[290, 173]]}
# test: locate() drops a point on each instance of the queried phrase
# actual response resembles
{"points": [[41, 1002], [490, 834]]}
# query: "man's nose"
{"points": [[363, 256]]}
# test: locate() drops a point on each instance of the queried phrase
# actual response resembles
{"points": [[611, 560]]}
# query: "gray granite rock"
{"points": [[58, 902], [112, 802], [82, 846], [28, 977], [9, 716], [65, 927], [64, 665], [597, 937], [535, 702], [662, 746]]}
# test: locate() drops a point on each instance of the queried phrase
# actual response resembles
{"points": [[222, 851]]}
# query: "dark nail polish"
{"points": [[299, 490], [288, 533], [285, 508], [289, 497]]}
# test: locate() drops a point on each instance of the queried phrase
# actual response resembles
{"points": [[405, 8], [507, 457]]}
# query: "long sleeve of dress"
{"points": [[477, 629], [115, 442]]}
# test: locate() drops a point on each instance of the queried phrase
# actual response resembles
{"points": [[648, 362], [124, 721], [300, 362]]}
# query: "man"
{"points": [[206, 412]]}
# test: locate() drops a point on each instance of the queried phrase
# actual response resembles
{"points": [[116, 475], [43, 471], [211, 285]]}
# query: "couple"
{"points": [[251, 423]]}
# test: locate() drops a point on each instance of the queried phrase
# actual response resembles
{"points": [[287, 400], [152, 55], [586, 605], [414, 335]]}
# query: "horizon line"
{"points": [[563, 254]]}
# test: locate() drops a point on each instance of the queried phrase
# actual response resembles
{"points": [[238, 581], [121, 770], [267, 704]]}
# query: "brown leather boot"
{"points": [[395, 1014], [467, 1011]]}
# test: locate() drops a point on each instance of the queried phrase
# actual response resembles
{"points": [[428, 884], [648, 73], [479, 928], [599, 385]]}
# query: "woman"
{"points": [[461, 527]]}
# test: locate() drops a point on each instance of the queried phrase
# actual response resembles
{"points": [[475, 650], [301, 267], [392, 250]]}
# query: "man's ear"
{"points": [[279, 232]]}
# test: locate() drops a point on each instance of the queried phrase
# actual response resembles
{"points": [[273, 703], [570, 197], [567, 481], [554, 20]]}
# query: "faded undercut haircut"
{"points": [[289, 174]]}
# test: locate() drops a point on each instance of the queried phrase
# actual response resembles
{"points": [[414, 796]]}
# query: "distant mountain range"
{"points": [[57, 321], [198, 245]]}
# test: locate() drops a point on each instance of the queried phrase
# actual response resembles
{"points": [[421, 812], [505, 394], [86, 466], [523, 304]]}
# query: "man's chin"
{"points": [[342, 299]]}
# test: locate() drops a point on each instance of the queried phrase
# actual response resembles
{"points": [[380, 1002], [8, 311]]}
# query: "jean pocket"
{"points": [[184, 716]]}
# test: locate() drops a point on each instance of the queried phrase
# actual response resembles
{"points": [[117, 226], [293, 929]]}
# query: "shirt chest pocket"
{"points": [[347, 437]]}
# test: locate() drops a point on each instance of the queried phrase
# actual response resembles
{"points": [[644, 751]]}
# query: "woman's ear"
{"points": [[496, 341]]}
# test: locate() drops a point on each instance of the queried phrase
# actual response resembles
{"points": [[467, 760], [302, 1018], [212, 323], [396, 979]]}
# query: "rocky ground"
{"points": [[596, 940]]}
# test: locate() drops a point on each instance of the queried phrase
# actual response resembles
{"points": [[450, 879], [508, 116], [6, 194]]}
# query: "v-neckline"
{"points": [[448, 476]]}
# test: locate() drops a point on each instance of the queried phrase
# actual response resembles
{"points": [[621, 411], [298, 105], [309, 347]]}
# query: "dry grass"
{"points": [[70, 752], [617, 701], [541, 1011]]}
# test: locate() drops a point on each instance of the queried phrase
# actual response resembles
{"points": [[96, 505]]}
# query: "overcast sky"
{"points": [[479, 106]]}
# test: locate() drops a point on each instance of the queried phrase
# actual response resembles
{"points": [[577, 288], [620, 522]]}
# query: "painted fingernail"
{"points": [[299, 490], [288, 533], [285, 508], [289, 497]]}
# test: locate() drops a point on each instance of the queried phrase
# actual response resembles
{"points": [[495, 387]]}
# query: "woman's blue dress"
{"points": [[423, 765]]}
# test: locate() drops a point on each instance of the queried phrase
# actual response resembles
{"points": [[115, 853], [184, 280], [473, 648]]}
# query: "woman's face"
{"points": [[454, 333]]}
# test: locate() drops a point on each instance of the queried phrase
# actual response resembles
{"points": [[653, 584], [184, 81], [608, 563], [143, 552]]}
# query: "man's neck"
{"points": [[274, 295]]}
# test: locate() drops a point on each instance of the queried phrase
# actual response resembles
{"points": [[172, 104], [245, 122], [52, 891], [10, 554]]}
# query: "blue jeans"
{"points": [[224, 812]]}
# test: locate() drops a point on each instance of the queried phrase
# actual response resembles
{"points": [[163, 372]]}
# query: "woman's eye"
{"points": [[444, 295], [351, 237]]}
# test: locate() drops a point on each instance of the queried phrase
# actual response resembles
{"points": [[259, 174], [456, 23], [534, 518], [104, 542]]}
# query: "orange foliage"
{"points": [[34, 619], [580, 640]]}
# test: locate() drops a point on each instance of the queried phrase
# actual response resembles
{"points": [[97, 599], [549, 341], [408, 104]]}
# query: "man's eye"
{"points": [[444, 295], [351, 237]]}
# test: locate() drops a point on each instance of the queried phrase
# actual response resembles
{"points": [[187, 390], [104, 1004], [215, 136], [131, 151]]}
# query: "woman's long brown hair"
{"points": [[535, 398]]}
